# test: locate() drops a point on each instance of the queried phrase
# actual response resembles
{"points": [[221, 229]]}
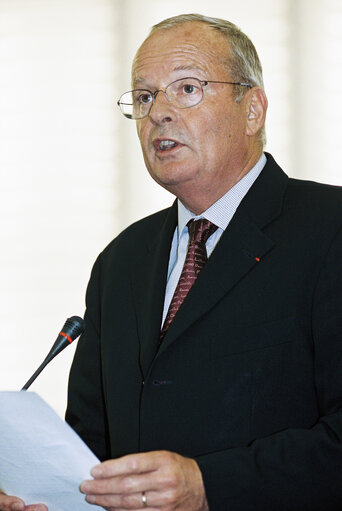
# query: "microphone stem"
{"points": [[73, 327], [37, 373]]}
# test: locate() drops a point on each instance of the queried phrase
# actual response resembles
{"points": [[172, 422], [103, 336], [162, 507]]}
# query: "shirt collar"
{"points": [[222, 211]]}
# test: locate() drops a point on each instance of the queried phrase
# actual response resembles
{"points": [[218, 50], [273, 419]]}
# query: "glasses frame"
{"points": [[154, 94]]}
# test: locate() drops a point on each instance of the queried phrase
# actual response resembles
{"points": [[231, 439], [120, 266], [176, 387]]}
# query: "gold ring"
{"points": [[144, 499]]}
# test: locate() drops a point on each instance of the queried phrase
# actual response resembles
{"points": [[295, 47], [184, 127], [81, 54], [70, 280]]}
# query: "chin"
{"points": [[173, 175], [177, 186], [169, 179]]}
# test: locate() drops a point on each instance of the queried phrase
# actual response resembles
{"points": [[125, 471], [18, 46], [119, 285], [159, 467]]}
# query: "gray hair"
{"points": [[242, 63]]}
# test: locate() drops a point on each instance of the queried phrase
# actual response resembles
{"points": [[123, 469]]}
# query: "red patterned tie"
{"points": [[196, 257]]}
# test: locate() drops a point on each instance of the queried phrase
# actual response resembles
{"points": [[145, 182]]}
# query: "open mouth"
{"points": [[165, 144]]}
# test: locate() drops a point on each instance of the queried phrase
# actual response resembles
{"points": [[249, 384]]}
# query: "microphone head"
{"points": [[73, 327]]}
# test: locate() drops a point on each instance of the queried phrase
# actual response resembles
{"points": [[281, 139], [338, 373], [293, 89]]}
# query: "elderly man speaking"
{"points": [[210, 372]]}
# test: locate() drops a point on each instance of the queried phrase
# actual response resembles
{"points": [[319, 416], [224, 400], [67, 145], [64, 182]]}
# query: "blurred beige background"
{"points": [[71, 171]]}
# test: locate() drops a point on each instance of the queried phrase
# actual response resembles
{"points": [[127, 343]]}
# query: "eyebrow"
{"points": [[188, 67], [137, 81]]}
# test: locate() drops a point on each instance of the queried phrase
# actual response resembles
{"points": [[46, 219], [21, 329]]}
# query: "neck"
{"points": [[198, 199]]}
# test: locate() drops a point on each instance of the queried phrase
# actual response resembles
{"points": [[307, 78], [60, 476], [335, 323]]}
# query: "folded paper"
{"points": [[42, 459]]}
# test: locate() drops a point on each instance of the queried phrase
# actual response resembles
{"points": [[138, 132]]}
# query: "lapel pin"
{"points": [[250, 255]]}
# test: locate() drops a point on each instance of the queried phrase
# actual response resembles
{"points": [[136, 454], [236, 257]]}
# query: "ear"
{"points": [[256, 106]]}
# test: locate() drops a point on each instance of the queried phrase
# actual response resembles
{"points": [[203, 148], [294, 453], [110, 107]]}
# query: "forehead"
{"points": [[190, 46]]}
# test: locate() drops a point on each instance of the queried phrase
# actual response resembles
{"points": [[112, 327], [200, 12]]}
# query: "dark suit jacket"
{"points": [[248, 379]]}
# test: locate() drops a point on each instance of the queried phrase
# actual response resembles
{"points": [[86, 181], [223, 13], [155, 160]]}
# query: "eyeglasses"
{"points": [[183, 93]]}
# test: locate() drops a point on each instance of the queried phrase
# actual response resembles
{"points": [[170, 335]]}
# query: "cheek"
{"points": [[216, 134], [143, 137], [139, 128]]}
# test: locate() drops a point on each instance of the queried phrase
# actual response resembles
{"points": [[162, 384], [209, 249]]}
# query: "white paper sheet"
{"points": [[42, 460]]}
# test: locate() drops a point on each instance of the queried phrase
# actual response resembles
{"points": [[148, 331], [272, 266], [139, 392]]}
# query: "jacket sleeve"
{"points": [[86, 408], [295, 469]]}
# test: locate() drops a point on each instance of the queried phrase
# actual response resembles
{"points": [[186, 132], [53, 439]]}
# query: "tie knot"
{"points": [[201, 230]]}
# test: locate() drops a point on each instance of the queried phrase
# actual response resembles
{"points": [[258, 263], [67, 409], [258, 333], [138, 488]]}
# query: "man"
{"points": [[231, 401]]}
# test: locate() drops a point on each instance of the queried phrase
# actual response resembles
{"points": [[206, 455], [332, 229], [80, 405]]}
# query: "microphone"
{"points": [[73, 327]]}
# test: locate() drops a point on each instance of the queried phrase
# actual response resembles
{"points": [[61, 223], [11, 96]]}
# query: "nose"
{"points": [[161, 111]]}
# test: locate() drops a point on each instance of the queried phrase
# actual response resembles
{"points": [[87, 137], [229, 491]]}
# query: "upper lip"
{"points": [[157, 141]]}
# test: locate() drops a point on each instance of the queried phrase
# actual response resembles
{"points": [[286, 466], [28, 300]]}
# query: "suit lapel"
{"points": [[149, 281], [242, 246]]}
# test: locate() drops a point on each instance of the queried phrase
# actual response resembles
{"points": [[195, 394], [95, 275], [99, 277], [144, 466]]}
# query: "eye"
{"points": [[142, 97], [189, 88], [145, 98]]}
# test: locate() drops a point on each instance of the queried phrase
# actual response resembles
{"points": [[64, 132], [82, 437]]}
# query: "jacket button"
{"points": [[162, 382]]}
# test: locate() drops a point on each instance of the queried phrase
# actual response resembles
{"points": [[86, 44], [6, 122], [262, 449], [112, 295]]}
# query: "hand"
{"points": [[166, 480], [8, 503]]}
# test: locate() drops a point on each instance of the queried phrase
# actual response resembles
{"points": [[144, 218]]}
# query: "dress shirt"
{"points": [[220, 213]]}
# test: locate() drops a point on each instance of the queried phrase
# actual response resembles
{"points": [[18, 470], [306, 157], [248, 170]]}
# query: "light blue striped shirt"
{"points": [[220, 213]]}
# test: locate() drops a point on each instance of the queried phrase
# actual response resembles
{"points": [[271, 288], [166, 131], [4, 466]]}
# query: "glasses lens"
{"points": [[185, 93], [136, 104]]}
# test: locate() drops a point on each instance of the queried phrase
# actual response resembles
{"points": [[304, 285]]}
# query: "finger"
{"points": [[117, 502], [9, 503], [126, 484], [125, 509], [110, 508], [131, 464], [36, 507]]}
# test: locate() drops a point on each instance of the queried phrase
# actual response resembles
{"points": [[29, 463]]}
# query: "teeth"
{"points": [[166, 144]]}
